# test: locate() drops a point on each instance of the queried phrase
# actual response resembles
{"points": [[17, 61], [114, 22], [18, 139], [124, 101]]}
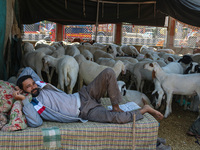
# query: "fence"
{"points": [[144, 35], [133, 35], [37, 31], [186, 36]]}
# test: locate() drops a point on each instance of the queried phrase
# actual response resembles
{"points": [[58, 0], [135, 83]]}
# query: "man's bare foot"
{"points": [[152, 111], [115, 108]]}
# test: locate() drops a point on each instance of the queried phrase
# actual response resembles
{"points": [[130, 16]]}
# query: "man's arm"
{"points": [[32, 116], [30, 71]]}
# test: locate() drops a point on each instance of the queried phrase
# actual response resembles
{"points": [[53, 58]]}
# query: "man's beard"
{"points": [[35, 92]]}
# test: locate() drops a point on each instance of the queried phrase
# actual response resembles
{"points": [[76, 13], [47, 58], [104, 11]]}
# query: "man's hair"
{"points": [[22, 79]]}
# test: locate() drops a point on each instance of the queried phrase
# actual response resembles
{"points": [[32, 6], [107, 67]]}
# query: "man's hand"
{"points": [[18, 96], [18, 89]]}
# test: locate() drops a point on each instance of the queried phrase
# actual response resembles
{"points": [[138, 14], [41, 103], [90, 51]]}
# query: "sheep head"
{"points": [[122, 87]]}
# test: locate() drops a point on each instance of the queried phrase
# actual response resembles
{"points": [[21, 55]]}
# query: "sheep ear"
{"points": [[147, 56], [153, 74], [151, 64], [44, 61], [124, 93], [170, 59]]}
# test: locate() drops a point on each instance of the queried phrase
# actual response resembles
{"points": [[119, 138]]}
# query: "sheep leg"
{"points": [[192, 104], [132, 82], [72, 79], [38, 70], [169, 99], [186, 100], [171, 103], [129, 87], [46, 69], [141, 86], [159, 100], [80, 85], [61, 81], [49, 78], [181, 100], [51, 74], [138, 82]]}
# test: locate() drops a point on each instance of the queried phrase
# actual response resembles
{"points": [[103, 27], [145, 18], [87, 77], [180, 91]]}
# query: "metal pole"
{"points": [[97, 20]]}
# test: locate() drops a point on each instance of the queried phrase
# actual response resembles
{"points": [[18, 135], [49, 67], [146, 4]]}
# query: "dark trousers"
{"points": [[91, 108]]}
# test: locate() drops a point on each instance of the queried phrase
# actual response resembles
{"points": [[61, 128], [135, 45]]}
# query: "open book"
{"points": [[127, 107]]}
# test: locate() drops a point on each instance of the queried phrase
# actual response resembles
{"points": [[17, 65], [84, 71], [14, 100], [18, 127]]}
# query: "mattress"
{"points": [[141, 135]]}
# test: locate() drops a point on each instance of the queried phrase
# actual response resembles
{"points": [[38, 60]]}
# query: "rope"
{"points": [[65, 4], [84, 8], [102, 9], [97, 20]]}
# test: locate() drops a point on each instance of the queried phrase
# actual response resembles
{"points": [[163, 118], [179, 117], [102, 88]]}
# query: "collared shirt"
{"points": [[66, 104]]}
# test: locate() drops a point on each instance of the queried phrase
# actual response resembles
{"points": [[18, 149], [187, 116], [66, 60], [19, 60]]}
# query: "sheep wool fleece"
{"points": [[91, 108]]}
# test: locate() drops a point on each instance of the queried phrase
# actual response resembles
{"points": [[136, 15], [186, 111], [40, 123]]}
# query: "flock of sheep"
{"points": [[80, 63]]}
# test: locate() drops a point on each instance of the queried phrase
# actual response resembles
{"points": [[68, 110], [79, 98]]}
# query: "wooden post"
{"points": [[59, 32], [171, 33], [118, 34]]}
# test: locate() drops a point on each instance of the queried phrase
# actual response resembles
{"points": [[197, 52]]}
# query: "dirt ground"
{"points": [[174, 128]]}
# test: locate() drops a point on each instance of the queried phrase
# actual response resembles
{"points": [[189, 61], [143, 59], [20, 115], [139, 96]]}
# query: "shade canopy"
{"points": [[186, 11], [137, 12]]}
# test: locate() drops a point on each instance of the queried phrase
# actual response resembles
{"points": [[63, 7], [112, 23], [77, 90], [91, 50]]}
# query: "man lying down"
{"points": [[52, 104]]}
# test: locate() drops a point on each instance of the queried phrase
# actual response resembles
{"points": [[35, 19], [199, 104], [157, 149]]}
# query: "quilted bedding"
{"points": [[90, 135]]}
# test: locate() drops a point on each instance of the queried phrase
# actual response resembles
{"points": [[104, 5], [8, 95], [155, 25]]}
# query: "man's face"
{"points": [[30, 86]]}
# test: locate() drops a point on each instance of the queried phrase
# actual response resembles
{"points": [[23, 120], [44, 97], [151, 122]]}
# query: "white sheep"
{"points": [[93, 48], [56, 44], [129, 65], [99, 53], [130, 59], [106, 61], [174, 83], [89, 70], [144, 49], [71, 50], [33, 59], [132, 95], [140, 74], [173, 67], [130, 50], [80, 58], [42, 43], [87, 54], [169, 57], [149, 52], [117, 50], [28, 47], [196, 57], [59, 52], [67, 69], [170, 51], [106, 48]]}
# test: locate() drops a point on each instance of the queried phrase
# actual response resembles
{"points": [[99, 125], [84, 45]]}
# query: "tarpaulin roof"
{"points": [[186, 11], [138, 12]]}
